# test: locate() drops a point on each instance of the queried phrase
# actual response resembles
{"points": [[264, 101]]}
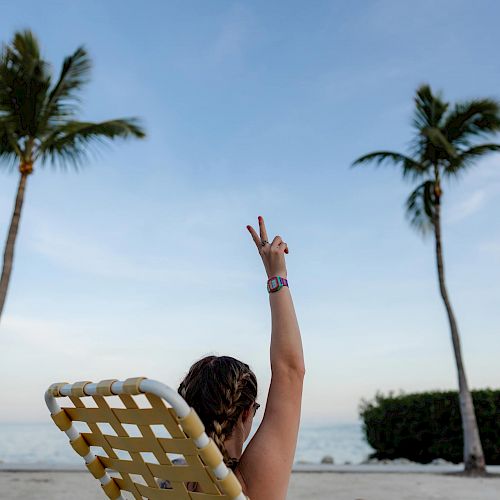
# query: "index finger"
{"points": [[255, 236], [262, 227]]}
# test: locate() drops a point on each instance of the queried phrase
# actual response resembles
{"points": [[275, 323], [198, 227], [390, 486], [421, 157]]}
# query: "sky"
{"points": [[140, 263]]}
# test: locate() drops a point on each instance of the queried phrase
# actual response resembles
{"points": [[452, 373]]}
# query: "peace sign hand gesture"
{"points": [[272, 254]]}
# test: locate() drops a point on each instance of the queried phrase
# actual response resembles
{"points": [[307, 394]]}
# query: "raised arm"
{"points": [[266, 464]]}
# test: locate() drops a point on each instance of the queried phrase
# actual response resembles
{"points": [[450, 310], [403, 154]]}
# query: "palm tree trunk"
{"points": [[8, 256], [473, 451]]}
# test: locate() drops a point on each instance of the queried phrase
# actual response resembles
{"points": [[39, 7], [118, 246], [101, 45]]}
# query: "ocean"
{"points": [[43, 444]]}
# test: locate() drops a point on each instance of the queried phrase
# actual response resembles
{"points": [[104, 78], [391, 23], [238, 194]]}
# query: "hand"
{"points": [[273, 254]]}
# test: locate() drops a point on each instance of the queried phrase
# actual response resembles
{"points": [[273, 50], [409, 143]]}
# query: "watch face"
{"points": [[273, 284]]}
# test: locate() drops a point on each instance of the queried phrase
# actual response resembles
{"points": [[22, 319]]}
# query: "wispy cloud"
{"points": [[162, 256], [88, 256], [468, 206], [230, 42], [485, 181]]}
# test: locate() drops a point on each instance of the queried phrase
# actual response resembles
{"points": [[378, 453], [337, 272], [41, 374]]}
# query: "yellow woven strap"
{"points": [[178, 494], [131, 385], [104, 387], [111, 489], [192, 425], [181, 446], [62, 420], [78, 388], [96, 469], [177, 473], [54, 389], [211, 455], [230, 485], [80, 446]]}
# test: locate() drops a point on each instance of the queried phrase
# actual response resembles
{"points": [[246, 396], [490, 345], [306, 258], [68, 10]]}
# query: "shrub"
{"points": [[425, 426]]}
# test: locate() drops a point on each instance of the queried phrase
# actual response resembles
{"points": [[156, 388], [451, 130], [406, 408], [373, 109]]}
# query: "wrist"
{"points": [[276, 283], [282, 274]]}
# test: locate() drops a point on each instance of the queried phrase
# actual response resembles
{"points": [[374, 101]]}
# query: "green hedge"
{"points": [[425, 426]]}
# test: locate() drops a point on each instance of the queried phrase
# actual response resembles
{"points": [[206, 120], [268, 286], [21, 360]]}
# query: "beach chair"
{"points": [[124, 448]]}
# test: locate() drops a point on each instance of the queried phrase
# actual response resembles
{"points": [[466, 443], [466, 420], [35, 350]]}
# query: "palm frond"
{"points": [[37, 118], [24, 82], [468, 157], [25, 45], [411, 168], [8, 147], [441, 146], [72, 141], [422, 147], [472, 119], [62, 100], [429, 108], [420, 207]]}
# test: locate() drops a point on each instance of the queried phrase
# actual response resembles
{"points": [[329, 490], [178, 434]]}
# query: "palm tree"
{"points": [[444, 146], [38, 122]]}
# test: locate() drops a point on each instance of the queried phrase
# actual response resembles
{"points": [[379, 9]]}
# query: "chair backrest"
{"points": [[131, 448]]}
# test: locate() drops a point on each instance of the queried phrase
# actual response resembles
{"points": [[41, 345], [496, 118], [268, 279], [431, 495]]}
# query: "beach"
{"points": [[28, 485], [27, 473]]}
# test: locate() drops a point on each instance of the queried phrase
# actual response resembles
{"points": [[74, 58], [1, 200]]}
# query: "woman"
{"points": [[223, 391]]}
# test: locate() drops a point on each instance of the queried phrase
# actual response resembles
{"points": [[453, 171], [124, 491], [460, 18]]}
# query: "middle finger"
{"points": [[262, 228]]}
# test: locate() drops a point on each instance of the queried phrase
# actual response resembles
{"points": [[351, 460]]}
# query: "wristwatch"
{"points": [[276, 283]]}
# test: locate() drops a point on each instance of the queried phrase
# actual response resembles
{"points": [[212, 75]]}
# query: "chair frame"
{"points": [[190, 426]]}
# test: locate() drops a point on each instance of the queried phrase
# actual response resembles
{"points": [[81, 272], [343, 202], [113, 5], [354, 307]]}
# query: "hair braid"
{"points": [[220, 389], [219, 437]]}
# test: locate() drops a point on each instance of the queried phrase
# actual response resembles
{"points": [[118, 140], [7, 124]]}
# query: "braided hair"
{"points": [[220, 388]]}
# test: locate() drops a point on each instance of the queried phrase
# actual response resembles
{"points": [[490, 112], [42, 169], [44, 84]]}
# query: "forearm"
{"points": [[286, 343]]}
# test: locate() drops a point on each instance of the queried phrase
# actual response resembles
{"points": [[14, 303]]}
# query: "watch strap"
{"points": [[275, 283]]}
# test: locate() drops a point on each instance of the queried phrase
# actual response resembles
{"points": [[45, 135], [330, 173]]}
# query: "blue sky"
{"points": [[141, 263]]}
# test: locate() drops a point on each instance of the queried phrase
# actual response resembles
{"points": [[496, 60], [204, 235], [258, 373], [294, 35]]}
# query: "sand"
{"points": [[310, 486]]}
